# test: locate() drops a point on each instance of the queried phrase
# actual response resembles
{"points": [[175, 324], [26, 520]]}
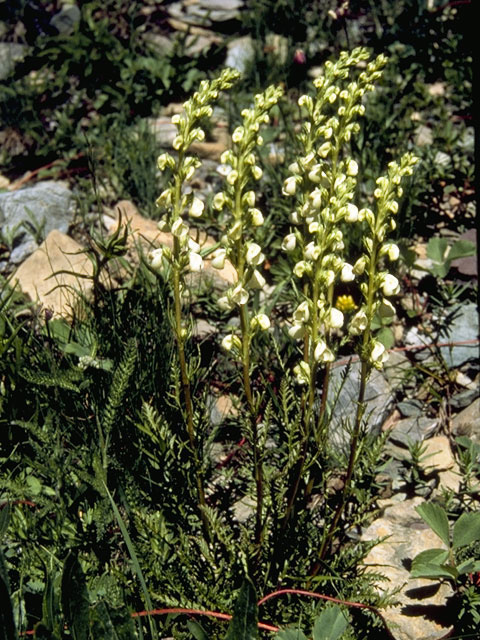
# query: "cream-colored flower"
{"points": [[319, 350], [300, 268], [257, 172], [197, 208], [351, 214], [261, 320], [257, 281], [254, 254], [358, 323], [289, 186], [225, 303], [347, 274], [393, 252], [301, 313], [312, 251], [156, 258], [237, 135], [297, 331], [335, 320], [239, 295], [289, 242], [378, 355], [179, 229], [195, 261], [218, 258], [219, 201], [231, 342], [391, 285]]}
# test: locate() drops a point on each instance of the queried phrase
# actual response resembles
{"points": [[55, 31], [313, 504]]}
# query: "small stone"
{"points": [[240, 52], [467, 422], [463, 330], [222, 407], [41, 278], [449, 480], [423, 136], [203, 329], [437, 455], [414, 429]]}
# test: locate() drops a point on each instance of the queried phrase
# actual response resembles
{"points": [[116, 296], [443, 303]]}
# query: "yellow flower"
{"points": [[345, 303]]}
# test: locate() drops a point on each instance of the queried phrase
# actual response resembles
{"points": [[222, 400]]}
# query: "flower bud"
{"points": [[249, 198], [225, 303], [232, 177], [257, 217], [359, 266], [351, 214], [177, 142], [302, 373], [257, 172], [289, 186], [378, 354], [352, 168], [238, 134], [219, 201], [257, 281]]}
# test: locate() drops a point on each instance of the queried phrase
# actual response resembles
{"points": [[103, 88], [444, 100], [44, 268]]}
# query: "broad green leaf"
{"points": [[330, 625], [196, 630], [244, 624], [436, 518], [432, 571], [437, 249], [431, 556], [386, 337], [466, 529], [461, 249], [469, 566], [75, 601], [290, 634]]}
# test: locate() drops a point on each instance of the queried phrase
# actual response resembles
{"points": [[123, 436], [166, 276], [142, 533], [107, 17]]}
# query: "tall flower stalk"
{"points": [[246, 256], [177, 204], [323, 183]]}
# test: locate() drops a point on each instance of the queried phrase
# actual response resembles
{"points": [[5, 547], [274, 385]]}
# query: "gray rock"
{"points": [[406, 536], [240, 53], [66, 19], [467, 422], [343, 396], [30, 214], [205, 12], [10, 52], [410, 408], [463, 328], [414, 429], [21, 253]]}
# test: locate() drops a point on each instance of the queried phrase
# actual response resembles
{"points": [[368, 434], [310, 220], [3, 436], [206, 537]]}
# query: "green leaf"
{"points": [[386, 337], [4, 519], [466, 529], [196, 630], [469, 566], [7, 624], [244, 624], [430, 564], [290, 634], [437, 249], [461, 249], [75, 602], [330, 625], [436, 518]]}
